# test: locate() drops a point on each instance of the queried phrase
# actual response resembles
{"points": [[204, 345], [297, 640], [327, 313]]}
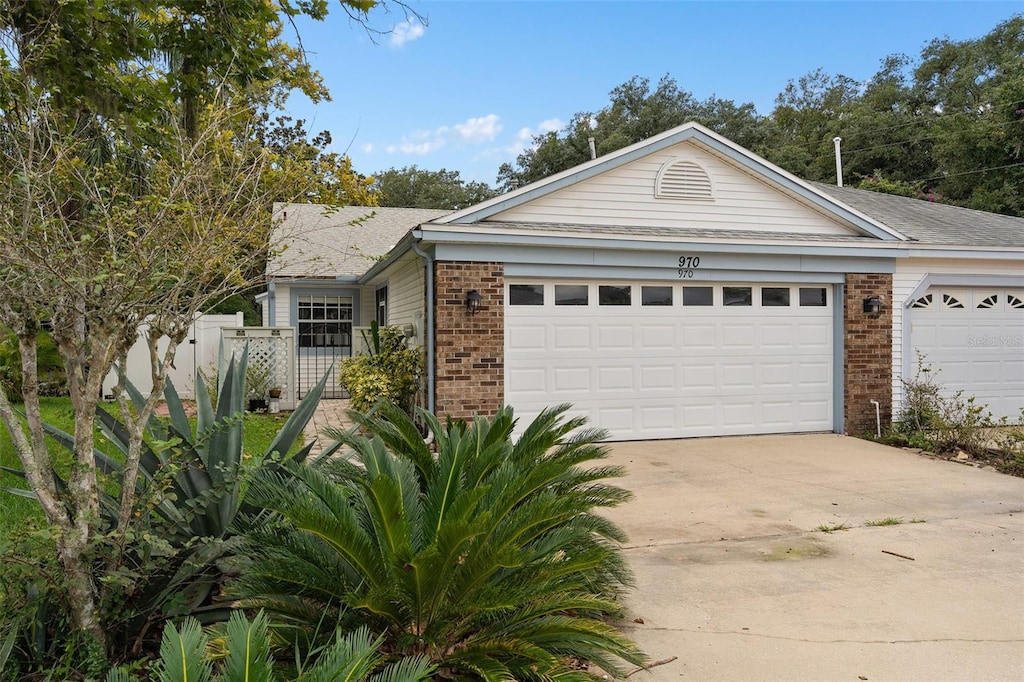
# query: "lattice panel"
{"points": [[271, 351]]}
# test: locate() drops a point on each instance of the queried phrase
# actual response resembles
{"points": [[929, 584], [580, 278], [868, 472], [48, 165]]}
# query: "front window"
{"points": [[382, 306], [325, 321]]}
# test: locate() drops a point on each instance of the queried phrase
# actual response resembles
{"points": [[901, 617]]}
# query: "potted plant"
{"points": [[275, 392], [257, 382]]}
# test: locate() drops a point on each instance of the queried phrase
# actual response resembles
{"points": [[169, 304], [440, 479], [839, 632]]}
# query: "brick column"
{"points": [[867, 361], [469, 361]]}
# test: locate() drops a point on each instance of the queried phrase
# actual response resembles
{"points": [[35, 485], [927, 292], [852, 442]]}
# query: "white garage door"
{"points": [[975, 339], [656, 360]]}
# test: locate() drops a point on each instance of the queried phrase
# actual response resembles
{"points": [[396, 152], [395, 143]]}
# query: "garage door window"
{"points": [[571, 294], [737, 296], [1014, 302], [608, 294], [656, 295], [813, 296], [526, 294], [698, 296], [774, 296]]}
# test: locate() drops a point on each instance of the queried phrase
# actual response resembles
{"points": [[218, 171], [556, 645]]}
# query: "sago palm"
{"points": [[487, 557]]}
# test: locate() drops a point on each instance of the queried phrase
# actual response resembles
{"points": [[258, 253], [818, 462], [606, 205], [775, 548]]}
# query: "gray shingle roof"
{"points": [[341, 241], [932, 223]]}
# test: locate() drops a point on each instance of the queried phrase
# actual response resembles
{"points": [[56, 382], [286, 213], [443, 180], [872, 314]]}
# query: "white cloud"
{"points": [[367, 148], [524, 137], [415, 148], [405, 32], [482, 129], [473, 131]]}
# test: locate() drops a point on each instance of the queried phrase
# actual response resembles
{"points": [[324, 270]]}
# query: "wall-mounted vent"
{"points": [[683, 180]]}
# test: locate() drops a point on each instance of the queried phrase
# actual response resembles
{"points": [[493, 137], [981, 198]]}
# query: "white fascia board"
{"points": [[659, 242], [918, 250], [714, 142]]}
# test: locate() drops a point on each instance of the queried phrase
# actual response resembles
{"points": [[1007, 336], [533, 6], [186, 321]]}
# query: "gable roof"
{"points": [[933, 223], [315, 241], [689, 132]]}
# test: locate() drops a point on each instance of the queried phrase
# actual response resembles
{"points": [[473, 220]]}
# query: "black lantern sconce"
{"points": [[473, 300], [873, 306]]}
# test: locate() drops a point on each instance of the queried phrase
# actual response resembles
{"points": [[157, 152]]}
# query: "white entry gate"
{"points": [[271, 352]]}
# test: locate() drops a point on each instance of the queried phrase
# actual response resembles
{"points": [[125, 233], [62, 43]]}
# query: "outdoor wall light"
{"points": [[473, 300], [873, 306]]}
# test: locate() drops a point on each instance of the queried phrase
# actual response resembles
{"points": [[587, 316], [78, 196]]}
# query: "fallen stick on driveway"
{"points": [[902, 556]]}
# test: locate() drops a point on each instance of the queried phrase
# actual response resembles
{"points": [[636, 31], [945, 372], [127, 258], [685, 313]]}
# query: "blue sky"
{"points": [[467, 91]]}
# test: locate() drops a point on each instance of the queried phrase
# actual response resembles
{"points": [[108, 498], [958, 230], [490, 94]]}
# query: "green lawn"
{"points": [[260, 430]]}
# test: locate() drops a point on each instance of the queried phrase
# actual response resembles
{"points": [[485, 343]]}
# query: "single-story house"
{"points": [[682, 286]]}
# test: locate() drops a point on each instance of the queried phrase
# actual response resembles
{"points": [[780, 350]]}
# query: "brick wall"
{"points": [[470, 349], [867, 361]]}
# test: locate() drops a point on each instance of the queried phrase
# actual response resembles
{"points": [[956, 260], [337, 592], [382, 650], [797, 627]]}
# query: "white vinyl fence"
{"points": [[198, 350]]}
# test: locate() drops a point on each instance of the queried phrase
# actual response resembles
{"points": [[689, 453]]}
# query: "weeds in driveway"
{"points": [[888, 521], [917, 521], [832, 527]]}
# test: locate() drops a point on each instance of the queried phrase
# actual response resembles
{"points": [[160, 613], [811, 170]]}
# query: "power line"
{"points": [[916, 139], [971, 172]]}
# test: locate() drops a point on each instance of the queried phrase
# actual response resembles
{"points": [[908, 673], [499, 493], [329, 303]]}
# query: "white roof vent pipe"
{"points": [[593, 148], [839, 161]]}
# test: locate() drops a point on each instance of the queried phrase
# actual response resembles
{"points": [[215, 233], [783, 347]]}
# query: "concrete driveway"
{"points": [[733, 578]]}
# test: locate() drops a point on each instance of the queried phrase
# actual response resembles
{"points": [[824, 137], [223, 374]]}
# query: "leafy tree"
{"points": [[635, 113], [414, 187], [133, 191], [487, 558]]}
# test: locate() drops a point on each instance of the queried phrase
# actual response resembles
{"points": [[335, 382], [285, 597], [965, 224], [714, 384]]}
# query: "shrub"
{"points": [[243, 653], [933, 419], [488, 558], [180, 544], [390, 371]]}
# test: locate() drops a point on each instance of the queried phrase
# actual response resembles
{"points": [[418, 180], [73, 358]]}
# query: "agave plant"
{"points": [[487, 558], [190, 490], [186, 653]]}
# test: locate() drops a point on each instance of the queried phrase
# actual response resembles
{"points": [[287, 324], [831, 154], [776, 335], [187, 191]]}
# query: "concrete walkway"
{"points": [[735, 579], [329, 413]]}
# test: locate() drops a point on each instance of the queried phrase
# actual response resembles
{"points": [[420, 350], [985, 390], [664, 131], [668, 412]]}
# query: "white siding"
{"points": [[625, 196], [405, 292], [909, 273], [282, 306]]}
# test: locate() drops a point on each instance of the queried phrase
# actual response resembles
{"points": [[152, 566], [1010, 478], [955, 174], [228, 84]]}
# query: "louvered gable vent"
{"points": [[683, 180]]}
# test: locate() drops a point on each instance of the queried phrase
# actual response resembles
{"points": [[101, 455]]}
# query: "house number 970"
{"points": [[687, 264]]}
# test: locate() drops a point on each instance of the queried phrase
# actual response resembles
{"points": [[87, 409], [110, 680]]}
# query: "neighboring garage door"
{"points": [[656, 360], [974, 339]]}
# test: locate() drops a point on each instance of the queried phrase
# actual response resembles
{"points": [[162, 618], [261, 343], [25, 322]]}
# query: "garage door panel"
{"points": [[615, 379], [738, 376], [676, 371], [739, 413], [572, 337], [657, 337], [657, 377], [814, 375], [699, 337], [698, 377], [615, 337], [739, 336], [976, 349], [571, 379], [527, 337], [661, 418]]}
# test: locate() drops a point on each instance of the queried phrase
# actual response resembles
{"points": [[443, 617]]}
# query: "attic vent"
{"points": [[683, 180]]}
